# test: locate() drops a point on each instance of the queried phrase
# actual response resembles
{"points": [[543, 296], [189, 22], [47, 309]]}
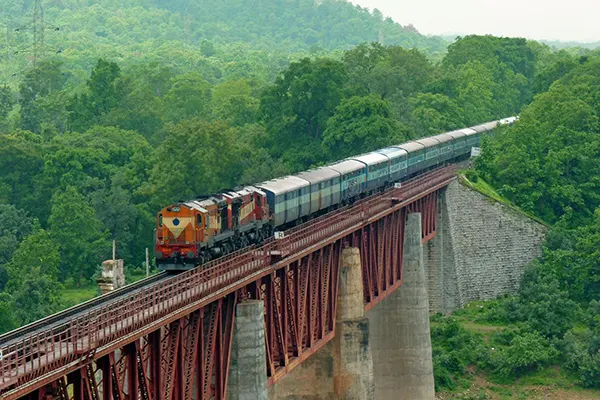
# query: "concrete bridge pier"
{"points": [[400, 334], [352, 361], [247, 373]]}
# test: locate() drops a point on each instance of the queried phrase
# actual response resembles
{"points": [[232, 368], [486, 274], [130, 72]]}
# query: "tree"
{"points": [[46, 78], [36, 255], [7, 318], [185, 166], [81, 237], [188, 97], [7, 101], [21, 162], [548, 163], [297, 107], [207, 48], [36, 297], [233, 101], [116, 211], [360, 124], [104, 92], [15, 225], [437, 113], [475, 96]]}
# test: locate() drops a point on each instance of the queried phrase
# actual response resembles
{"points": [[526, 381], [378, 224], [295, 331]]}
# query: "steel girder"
{"points": [[187, 355]]}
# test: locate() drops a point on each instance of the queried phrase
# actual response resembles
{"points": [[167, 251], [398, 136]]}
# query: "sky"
{"points": [[573, 20]]}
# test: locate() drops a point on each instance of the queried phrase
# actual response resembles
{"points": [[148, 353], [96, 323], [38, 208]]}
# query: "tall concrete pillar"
{"points": [[352, 361], [247, 369], [400, 336]]}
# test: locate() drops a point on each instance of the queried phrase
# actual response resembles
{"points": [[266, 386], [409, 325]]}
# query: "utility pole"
{"points": [[147, 264]]}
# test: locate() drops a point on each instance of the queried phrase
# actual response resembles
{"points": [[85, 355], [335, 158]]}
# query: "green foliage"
{"points": [[7, 318], [361, 124], [104, 92], [196, 158], [542, 305], [189, 97], [36, 297], [80, 236], [39, 83], [296, 109], [548, 163], [437, 112], [525, 352], [454, 349]]}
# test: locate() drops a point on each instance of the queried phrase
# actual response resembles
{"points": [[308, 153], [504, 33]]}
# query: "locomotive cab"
{"points": [[180, 233]]}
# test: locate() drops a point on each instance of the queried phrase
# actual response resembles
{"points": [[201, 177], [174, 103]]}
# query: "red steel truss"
{"points": [[173, 340]]}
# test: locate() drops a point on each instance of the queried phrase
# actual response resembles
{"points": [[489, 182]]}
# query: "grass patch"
{"points": [[73, 295], [487, 190]]}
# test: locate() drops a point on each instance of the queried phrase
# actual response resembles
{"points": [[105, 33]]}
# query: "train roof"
{"points": [[370, 159], [479, 128], [428, 142], [346, 166], [469, 131], [392, 152], [411, 146], [318, 174], [457, 134], [250, 189], [442, 138], [195, 205], [283, 185], [491, 125]]}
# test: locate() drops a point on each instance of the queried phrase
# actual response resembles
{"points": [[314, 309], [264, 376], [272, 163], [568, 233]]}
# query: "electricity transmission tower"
{"points": [[38, 26]]}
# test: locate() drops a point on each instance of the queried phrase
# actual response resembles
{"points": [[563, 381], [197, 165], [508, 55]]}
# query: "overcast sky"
{"points": [[535, 19]]}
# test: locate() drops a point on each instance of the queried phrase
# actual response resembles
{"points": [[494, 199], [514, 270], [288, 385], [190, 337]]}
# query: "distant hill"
{"points": [[218, 36], [567, 45]]}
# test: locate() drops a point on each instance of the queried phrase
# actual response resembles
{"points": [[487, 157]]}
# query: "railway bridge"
{"points": [[237, 326]]}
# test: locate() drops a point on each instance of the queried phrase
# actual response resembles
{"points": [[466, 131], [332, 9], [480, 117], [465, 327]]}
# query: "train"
{"points": [[190, 233]]}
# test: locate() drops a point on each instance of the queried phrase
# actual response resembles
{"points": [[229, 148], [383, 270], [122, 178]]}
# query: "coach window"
{"points": [[160, 220], [199, 220]]}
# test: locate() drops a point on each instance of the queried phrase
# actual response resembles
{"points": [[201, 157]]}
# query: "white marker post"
{"points": [[475, 151], [397, 185], [279, 235]]}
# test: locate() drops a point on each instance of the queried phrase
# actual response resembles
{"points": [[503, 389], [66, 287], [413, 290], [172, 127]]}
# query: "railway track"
{"points": [[62, 318]]}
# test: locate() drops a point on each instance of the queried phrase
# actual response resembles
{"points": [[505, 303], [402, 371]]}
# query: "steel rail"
{"points": [[55, 320]]}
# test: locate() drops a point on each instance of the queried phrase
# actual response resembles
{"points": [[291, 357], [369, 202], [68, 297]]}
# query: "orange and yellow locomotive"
{"points": [[193, 232]]}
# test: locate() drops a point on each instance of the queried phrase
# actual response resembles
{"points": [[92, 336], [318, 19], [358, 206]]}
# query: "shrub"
{"points": [[454, 349], [527, 352], [472, 175]]}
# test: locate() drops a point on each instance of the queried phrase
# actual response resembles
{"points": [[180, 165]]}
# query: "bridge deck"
{"points": [[43, 357]]}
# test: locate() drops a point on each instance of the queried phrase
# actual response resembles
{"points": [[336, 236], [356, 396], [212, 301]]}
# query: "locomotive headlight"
{"points": [[186, 242], [162, 242]]}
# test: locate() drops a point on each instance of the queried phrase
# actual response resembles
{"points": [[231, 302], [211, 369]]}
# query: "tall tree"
{"points": [[361, 124], [297, 107], [82, 240], [45, 78]]}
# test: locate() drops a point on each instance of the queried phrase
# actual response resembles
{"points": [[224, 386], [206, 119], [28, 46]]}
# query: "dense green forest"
{"points": [[548, 164], [219, 39], [130, 107]]}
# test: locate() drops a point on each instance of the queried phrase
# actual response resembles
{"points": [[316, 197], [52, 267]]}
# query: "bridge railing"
{"points": [[83, 335]]}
